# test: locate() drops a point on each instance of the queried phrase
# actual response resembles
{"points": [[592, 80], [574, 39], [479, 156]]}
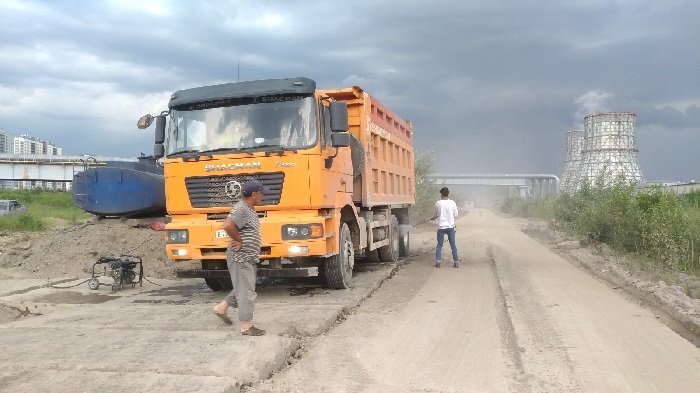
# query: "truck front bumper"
{"points": [[203, 242], [261, 272]]}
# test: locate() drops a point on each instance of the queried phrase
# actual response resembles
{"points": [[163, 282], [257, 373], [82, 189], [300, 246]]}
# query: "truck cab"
{"points": [[296, 140]]}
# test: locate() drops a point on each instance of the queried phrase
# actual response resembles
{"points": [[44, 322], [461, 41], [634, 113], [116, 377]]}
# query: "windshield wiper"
{"points": [[181, 152], [279, 149], [189, 155], [220, 149]]}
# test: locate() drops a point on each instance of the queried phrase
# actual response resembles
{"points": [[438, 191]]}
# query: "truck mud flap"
{"points": [[262, 272]]}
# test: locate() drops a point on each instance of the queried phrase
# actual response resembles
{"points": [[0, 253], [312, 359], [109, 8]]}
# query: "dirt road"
{"points": [[514, 318]]}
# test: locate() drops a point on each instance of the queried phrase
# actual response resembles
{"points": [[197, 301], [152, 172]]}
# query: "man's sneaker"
{"points": [[437, 264], [456, 264]]}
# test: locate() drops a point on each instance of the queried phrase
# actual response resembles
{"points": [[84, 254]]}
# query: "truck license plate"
{"points": [[220, 234]]}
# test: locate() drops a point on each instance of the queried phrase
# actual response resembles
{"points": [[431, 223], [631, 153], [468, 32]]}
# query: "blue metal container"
{"points": [[121, 189]]}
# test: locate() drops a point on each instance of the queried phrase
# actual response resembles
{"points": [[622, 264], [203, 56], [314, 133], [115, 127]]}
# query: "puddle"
{"points": [[372, 267], [72, 297], [184, 291], [311, 291], [300, 291], [150, 301]]}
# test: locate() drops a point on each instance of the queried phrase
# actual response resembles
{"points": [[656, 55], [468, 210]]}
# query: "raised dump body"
{"points": [[337, 166]]}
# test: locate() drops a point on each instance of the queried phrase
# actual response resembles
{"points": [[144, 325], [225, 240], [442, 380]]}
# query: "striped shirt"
{"points": [[248, 225]]}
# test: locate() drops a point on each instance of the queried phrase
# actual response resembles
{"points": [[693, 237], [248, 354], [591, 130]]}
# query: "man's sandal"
{"points": [[224, 318], [253, 331]]}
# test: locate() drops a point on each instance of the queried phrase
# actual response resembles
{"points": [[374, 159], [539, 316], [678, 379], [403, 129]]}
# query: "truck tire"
{"points": [[390, 252], [226, 284], [404, 243], [214, 284], [338, 268], [373, 256]]}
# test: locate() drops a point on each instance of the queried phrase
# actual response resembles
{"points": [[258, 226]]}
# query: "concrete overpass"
{"points": [[524, 185], [31, 171]]}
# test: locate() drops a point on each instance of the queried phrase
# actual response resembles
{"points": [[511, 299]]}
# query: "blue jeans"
{"points": [[450, 232]]}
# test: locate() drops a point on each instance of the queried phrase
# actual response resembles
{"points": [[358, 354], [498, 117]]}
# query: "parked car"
{"points": [[9, 206]]}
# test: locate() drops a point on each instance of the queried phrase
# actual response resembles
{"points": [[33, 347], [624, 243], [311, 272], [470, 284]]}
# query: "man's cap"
{"points": [[252, 186]]}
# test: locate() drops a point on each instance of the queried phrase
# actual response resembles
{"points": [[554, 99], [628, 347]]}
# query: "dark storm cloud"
{"points": [[489, 87]]}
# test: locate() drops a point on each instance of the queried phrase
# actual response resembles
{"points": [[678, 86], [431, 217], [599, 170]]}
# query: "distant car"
{"points": [[9, 206]]}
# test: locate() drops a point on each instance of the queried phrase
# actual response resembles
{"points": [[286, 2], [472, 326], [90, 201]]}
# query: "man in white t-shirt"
{"points": [[445, 213]]}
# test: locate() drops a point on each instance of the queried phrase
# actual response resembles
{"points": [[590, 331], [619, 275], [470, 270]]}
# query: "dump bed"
{"points": [[386, 173]]}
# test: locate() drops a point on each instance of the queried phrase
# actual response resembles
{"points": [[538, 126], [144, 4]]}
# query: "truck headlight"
{"points": [[178, 236], [300, 232]]}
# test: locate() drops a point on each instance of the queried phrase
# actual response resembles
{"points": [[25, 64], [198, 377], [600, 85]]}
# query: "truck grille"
{"points": [[210, 191]]}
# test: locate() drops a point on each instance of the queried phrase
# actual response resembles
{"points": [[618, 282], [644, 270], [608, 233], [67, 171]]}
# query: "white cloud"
{"points": [[102, 108], [159, 8], [591, 102]]}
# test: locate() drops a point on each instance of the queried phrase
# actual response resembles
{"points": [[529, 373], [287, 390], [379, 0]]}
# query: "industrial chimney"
{"points": [[572, 163], [609, 149]]}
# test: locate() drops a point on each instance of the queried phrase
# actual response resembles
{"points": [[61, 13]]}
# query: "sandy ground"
{"points": [[159, 338], [519, 315], [70, 251], [516, 317]]}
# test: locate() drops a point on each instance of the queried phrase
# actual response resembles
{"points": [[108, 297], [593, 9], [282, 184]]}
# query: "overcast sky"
{"points": [[491, 86]]}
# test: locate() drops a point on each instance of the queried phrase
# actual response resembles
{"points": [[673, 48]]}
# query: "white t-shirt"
{"points": [[446, 210]]}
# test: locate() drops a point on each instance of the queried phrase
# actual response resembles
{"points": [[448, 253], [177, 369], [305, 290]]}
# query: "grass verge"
{"points": [[660, 227], [42, 206]]}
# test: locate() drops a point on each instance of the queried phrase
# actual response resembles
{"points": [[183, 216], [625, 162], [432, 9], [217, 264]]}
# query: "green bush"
{"points": [[426, 188], [24, 222], [660, 226]]}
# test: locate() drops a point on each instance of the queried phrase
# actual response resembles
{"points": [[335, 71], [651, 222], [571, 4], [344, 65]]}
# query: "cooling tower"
{"points": [[609, 149], [572, 163]]}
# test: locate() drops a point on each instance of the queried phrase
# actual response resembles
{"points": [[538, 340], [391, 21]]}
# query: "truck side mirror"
{"points": [[144, 122], [158, 151], [160, 129], [340, 139], [339, 116]]}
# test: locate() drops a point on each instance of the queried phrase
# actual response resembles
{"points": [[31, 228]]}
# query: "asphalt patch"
{"points": [[72, 297]]}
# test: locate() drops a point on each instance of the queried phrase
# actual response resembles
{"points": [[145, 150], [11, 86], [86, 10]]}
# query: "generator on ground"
{"points": [[122, 269]]}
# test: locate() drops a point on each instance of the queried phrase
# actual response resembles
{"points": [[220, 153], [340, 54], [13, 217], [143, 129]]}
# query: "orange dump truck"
{"points": [[337, 167]]}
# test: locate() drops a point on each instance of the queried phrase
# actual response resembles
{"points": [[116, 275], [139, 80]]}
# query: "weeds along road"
{"points": [[514, 318]]}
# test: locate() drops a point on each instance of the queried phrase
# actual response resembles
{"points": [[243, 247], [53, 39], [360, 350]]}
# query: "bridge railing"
{"points": [[528, 185]]}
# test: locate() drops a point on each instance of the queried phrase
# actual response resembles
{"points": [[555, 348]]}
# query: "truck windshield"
{"points": [[273, 122]]}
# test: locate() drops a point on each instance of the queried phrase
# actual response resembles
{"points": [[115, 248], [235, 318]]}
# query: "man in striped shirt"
{"points": [[242, 255]]}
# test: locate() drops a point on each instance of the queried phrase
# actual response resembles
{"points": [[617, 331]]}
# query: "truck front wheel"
{"points": [[338, 268], [216, 284]]}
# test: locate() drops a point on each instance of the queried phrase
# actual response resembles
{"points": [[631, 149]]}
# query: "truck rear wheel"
{"points": [[373, 256], [404, 242], [338, 268], [390, 252]]}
